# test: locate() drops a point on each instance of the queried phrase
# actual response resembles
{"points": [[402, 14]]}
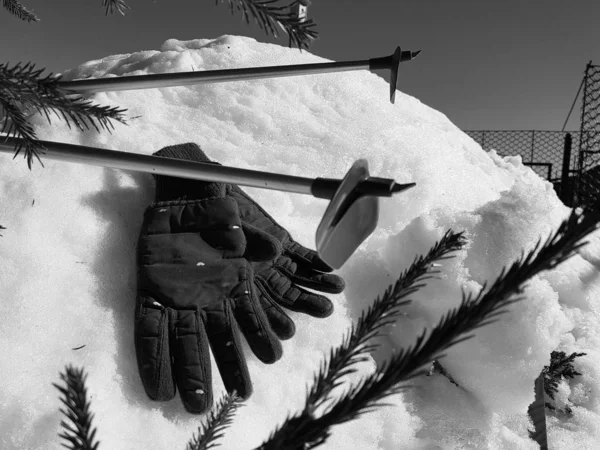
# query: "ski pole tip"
{"points": [[406, 55], [402, 187]]}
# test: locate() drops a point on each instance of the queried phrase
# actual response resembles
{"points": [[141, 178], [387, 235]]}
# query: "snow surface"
{"points": [[68, 260]]}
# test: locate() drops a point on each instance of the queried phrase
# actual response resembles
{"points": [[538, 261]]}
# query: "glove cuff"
{"points": [[188, 151], [172, 188]]}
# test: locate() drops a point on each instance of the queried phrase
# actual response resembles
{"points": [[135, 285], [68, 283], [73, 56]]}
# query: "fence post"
{"points": [[566, 191]]}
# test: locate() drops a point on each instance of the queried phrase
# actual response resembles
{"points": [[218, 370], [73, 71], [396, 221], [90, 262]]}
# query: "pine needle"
{"points": [[305, 431], [115, 5], [22, 89], [219, 419], [18, 10], [269, 17], [79, 435]]}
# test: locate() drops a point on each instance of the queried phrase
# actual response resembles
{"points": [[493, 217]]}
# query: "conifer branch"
{"points": [[355, 346], [560, 367], [18, 10], [79, 435], [219, 419], [269, 17], [22, 89], [305, 431], [115, 5]]}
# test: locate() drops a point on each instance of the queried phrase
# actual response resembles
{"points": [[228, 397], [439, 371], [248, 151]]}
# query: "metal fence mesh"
{"points": [[541, 150], [587, 185]]}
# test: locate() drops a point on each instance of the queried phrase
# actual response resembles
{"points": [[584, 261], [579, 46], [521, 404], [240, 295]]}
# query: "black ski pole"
{"points": [[318, 187], [350, 217], [125, 83]]}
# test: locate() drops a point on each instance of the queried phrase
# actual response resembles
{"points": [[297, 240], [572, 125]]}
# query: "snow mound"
{"points": [[68, 260]]}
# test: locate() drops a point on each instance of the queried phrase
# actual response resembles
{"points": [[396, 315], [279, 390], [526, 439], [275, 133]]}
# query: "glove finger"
{"points": [[324, 282], [225, 343], [279, 288], [307, 257], [304, 275], [260, 246], [280, 322], [152, 349], [254, 324], [192, 362]]}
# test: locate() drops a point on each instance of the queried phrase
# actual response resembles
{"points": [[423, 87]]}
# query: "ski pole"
{"points": [[317, 187], [125, 83], [350, 217]]}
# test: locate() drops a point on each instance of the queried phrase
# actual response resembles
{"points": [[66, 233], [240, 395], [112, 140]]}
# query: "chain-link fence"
{"points": [[587, 185], [542, 150]]}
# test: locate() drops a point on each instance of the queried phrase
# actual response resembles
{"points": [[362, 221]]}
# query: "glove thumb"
{"points": [[260, 246]]}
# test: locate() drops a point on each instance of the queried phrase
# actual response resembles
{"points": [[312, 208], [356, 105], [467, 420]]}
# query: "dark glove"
{"points": [[278, 280], [195, 288]]}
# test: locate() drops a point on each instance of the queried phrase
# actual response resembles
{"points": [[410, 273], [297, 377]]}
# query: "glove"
{"points": [[195, 288], [277, 280]]}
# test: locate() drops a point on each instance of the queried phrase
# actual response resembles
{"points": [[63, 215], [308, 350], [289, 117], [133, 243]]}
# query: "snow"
{"points": [[68, 260]]}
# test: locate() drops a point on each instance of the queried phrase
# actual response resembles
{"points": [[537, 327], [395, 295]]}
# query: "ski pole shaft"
{"points": [[166, 166], [250, 73], [318, 187], [208, 76]]}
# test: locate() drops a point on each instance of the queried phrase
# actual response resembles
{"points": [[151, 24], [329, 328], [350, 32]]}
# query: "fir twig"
{"points": [[560, 367], [269, 17], [219, 419], [115, 5], [18, 10], [22, 89], [79, 435], [304, 431]]}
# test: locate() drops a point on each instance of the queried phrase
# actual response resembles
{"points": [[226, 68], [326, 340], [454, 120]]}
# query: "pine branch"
{"points": [[269, 17], [355, 344], [22, 89], [219, 419], [19, 11], [15, 123], [304, 432], [79, 435], [115, 5], [561, 367]]}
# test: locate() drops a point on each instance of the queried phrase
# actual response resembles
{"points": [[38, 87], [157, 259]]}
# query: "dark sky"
{"points": [[486, 64]]}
